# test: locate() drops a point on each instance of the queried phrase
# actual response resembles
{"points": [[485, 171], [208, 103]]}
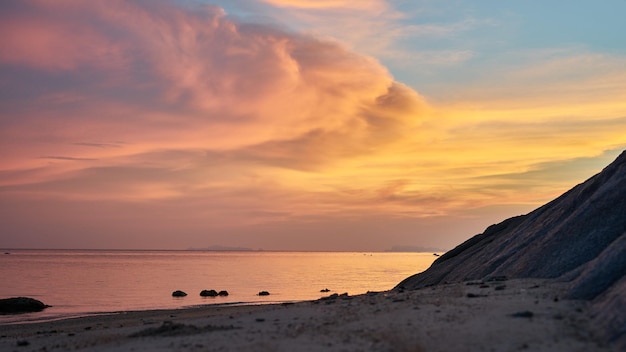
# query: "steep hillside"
{"points": [[580, 237]]}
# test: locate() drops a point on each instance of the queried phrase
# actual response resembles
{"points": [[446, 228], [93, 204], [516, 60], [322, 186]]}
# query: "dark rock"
{"points": [[222, 293], [264, 293], [325, 290], [208, 293], [178, 293], [18, 305], [22, 343]]}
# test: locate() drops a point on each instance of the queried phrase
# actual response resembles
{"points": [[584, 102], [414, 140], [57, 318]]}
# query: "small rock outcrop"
{"points": [[17, 305], [208, 293], [179, 293], [264, 293], [223, 293]]}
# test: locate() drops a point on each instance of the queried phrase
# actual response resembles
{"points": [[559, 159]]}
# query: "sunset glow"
{"points": [[176, 124]]}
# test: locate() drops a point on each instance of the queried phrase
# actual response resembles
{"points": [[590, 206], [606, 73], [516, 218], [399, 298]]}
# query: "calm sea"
{"points": [[81, 282]]}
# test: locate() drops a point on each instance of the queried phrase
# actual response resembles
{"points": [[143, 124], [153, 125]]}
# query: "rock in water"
{"points": [[208, 293], [179, 293], [18, 305], [580, 237]]}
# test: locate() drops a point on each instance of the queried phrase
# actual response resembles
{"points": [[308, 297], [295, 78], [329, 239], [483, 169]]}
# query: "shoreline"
{"points": [[524, 314], [78, 315]]}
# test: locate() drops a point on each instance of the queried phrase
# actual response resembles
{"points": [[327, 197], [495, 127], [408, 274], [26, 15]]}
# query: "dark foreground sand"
{"points": [[514, 315]]}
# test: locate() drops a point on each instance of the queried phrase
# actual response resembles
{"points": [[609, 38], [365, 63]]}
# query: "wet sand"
{"points": [[513, 315]]}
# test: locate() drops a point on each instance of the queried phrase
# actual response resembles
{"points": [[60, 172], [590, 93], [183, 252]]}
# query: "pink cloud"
{"points": [[54, 36], [160, 76]]}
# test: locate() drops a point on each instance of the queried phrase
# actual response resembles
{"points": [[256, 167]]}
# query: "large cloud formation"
{"points": [[168, 124], [142, 101], [129, 78]]}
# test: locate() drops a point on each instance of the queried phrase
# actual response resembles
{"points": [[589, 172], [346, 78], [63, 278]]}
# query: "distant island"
{"points": [[415, 249], [221, 249]]}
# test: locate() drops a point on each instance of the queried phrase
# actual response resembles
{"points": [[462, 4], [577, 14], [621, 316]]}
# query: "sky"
{"points": [[299, 124]]}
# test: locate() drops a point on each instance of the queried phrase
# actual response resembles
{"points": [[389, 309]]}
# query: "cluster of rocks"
{"points": [[203, 293], [213, 293]]}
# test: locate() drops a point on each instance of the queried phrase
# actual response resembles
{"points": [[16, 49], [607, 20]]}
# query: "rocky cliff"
{"points": [[580, 237]]}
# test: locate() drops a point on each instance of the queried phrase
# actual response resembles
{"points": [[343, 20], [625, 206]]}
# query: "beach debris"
{"points": [[325, 290], [208, 293], [523, 314], [223, 293], [17, 305], [179, 293], [335, 296], [264, 293], [169, 328]]}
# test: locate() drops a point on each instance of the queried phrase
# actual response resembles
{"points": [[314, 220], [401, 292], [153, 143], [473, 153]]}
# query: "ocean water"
{"points": [[78, 282]]}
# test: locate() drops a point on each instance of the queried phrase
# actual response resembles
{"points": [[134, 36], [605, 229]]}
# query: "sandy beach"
{"points": [[512, 315]]}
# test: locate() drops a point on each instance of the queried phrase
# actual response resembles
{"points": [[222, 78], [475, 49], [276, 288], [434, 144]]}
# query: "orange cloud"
{"points": [[188, 80]]}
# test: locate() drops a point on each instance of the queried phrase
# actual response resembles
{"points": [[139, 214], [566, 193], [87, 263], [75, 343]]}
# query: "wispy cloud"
{"points": [[100, 144], [66, 158]]}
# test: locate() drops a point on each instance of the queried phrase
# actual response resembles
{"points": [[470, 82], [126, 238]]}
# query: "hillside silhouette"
{"points": [[578, 238]]}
